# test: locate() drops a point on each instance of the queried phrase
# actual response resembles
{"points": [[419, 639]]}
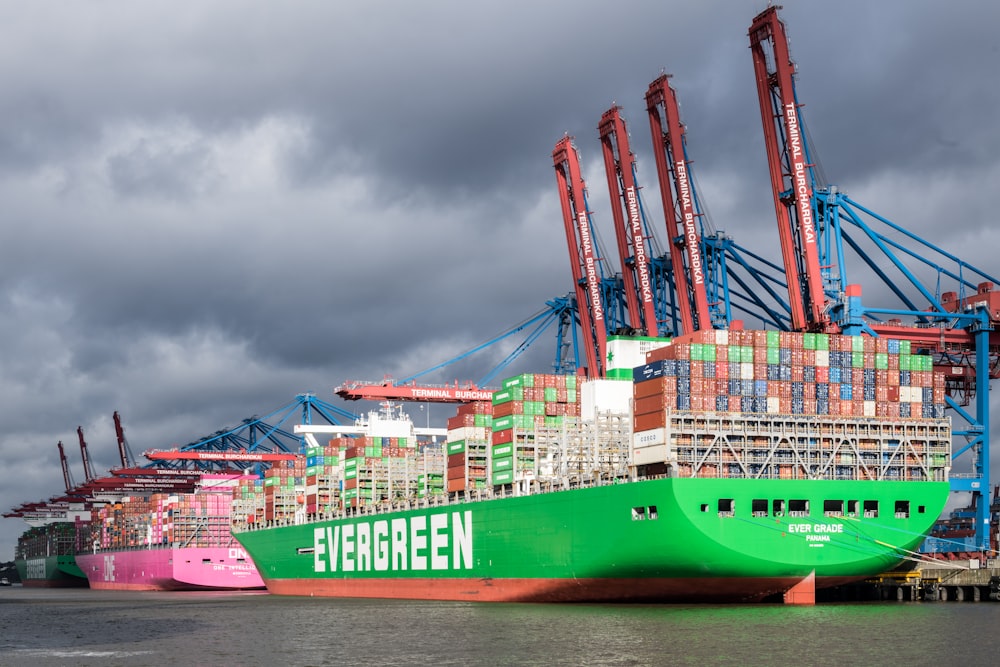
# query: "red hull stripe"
{"points": [[549, 590]]}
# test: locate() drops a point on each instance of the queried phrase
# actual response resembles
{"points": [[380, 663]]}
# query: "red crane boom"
{"points": [[582, 255], [791, 182], [680, 213], [619, 165], [192, 455], [88, 470], [388, 390], [122, 443], [67, 477]]}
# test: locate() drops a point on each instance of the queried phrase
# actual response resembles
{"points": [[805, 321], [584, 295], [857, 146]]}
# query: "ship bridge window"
{"points": [[833, 508], [727, 507], [902, 509], [758, 507], [652, 513], [798, 508], [778, 508], [871, 509], [852, 508]]}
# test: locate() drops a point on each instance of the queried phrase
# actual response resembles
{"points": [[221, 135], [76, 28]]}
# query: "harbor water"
{"points": [[85, 627]]}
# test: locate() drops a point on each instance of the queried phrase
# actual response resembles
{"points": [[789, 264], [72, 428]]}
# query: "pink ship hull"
{"points": [[171, 569]]}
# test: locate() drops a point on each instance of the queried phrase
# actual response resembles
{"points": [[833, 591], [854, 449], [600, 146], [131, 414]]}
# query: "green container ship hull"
{"points": [[59, 571], [667, 539]]}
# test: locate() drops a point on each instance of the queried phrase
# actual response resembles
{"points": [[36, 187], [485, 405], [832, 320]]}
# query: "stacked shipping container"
{"points": [[524, 403], [189, 519], [468, 446], [787, 373]]}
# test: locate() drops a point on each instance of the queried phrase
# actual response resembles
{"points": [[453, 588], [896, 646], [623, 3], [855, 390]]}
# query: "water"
{"points": [[84, 627]]}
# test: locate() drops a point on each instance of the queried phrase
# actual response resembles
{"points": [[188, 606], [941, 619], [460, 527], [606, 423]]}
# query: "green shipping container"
{"points": [[505, 463], [500, 451], [456, 447], [503, 477]]}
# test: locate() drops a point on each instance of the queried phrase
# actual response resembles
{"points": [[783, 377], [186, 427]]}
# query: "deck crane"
{"points": [[88, 469], [818, 224], [633, 241], [598, 306], [680, 208]]}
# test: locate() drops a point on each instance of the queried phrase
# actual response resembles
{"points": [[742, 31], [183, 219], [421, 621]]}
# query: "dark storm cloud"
{"points": [[210, 208]]}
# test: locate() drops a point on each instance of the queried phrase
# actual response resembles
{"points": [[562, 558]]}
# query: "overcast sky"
{"points": [[210, 207]]}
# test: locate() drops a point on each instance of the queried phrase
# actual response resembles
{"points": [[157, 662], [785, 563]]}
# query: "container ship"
{"points": [[45, 555], [724, 466], [167, 542]]}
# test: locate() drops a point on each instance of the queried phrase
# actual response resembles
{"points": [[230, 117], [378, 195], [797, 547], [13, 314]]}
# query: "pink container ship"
{"points": [[168, 542]]}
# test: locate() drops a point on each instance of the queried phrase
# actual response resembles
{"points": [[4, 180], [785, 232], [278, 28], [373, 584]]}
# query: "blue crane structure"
{"points": [[254, 439]]}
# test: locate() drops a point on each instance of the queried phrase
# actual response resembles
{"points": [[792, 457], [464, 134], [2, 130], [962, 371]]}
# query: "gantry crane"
{"points": [[681, 210], [124, 453], [597, 295], [790, 169], [633, 240], [818, 224], [88, 469], [67, 475]]}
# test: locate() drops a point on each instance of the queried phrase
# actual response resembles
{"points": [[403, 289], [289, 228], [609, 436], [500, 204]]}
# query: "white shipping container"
{"points": [[647, 455], [656, 436], [603, 396]]}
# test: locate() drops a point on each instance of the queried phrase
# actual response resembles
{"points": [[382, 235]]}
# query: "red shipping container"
{"points": [[649, 404], [655, 387], [509, 408], [502, 437], [650, 421]]}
